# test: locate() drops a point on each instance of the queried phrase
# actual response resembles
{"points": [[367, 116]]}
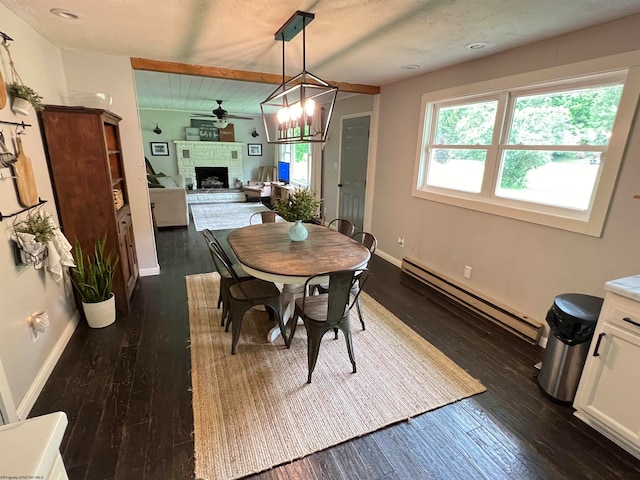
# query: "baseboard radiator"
{"points": [[515, 322]]}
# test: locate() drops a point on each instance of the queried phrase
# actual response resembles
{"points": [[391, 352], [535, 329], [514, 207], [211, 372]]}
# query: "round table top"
{"points": [[267, 248]]}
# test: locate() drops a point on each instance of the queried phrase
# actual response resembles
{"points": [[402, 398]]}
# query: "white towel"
{"points": [[59, 254], [58, 251], [27, 243]]}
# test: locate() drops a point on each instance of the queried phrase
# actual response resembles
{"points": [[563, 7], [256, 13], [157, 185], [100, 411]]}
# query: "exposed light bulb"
{"points": [[296, 111], [284, 115], [309, 107]]}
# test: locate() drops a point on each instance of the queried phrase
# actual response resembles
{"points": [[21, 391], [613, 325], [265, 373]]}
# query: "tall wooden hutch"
{"points": [[86, 166]]}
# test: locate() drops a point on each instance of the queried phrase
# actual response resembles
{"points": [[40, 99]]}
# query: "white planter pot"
{"points": [[21, 106], [101, 314]]}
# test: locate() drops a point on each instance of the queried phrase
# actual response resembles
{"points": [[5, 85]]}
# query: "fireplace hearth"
{"points": [[212, 177]]}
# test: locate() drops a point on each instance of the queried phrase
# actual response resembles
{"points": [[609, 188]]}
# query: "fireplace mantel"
{"points": [[210, 154]]}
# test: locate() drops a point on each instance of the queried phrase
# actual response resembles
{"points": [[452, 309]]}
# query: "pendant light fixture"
{"points": [[157, 130], [292, 113]]}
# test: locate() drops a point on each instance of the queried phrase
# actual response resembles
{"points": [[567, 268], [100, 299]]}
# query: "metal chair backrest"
{"points": [[341, 283], [343, 226], [217, 250], [367, 239], [222, 270], [267, 216], [208, 235], [223, 265]]}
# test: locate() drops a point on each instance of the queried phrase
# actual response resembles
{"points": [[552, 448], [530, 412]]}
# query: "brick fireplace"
{"points": [[212, 177], [210, 154]]}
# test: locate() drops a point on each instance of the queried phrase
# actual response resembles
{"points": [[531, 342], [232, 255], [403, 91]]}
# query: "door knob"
{"points": [[339, 184]]}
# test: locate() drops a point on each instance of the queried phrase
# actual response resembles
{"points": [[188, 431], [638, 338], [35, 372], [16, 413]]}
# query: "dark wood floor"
{"points": [[126, 391]]}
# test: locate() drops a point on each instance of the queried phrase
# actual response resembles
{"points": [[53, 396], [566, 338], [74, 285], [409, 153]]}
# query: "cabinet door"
{"points": [[610, 387], [128, 259], [132, 259]]}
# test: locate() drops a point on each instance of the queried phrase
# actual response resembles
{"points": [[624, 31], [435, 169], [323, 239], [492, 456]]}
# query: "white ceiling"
{"points": [[356, 41]]}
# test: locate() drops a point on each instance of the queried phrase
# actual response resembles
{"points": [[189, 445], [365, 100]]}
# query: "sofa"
{"points": [[168, 198]]}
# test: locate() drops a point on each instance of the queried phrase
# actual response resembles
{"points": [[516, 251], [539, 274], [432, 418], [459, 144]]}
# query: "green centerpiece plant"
{"points": [[298, 206]]}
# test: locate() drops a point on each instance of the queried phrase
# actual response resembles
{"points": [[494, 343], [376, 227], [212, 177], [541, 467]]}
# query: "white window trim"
{"points": [[552, 217], [311, 165]]}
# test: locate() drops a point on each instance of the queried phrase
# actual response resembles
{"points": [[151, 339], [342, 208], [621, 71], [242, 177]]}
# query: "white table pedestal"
{"points": [[290, 292]]}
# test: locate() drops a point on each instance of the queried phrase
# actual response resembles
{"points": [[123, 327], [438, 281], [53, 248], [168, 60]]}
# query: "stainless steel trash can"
{"points": [[572, 320]]}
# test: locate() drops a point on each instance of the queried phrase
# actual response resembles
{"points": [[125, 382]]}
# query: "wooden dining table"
{"points": [[266, 252]]}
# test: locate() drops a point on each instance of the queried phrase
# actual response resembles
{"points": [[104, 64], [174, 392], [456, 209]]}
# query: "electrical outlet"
{"points": [[401, 241], [467, 271]]}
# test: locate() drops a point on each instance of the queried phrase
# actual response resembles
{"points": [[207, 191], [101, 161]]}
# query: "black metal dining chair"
{"points": [[243, 295], [370, 242], [226, 280], [343, 226], [327, 311], [267, 216]]}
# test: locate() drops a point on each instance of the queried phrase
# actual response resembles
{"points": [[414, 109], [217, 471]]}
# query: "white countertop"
{"points": [[28, 449], [627, 287]]}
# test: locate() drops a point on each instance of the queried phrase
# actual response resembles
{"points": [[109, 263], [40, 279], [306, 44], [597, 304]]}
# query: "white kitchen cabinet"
{"points": [[30, 448], [609, 391]]}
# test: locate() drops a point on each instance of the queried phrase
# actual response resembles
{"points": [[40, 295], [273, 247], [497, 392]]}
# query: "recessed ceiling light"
{"points": [[61, 12], [411, 66], [476, 46]]}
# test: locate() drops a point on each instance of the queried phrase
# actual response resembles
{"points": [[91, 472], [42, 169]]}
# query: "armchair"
{"points": [[257, 190]]}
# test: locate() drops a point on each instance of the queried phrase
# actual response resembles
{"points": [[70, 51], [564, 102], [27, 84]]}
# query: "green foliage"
{"points": [[467, 124], [516, 166], [38, 225], [441, 155], [575, 117], [26, 93], [583, 116], [301, 204], [94, 279]]}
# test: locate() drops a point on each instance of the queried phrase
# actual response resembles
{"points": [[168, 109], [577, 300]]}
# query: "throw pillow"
{"points": [[154, 178], [167, 182]]}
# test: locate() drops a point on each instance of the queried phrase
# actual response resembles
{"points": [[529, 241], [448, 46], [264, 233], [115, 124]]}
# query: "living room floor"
{"points": [[126, 391]]}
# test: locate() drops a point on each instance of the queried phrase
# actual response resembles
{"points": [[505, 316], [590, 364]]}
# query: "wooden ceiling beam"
{"points": [[231, 74]]}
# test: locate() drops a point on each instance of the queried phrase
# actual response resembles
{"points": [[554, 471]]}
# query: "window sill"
{"points": [[519, 211]]}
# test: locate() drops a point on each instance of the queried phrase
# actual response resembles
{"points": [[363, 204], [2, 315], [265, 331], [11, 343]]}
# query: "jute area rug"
{"points": [[254, 410], [218, 216]]}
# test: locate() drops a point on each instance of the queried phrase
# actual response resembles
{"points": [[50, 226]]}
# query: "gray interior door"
{"points": [[353, 169]]}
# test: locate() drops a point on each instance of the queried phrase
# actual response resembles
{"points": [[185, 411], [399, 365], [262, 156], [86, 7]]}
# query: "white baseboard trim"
{"points": [[36, 387], [149, 272], [388, 258]]}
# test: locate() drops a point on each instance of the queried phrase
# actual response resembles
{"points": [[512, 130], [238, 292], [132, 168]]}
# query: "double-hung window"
{"points": [[546, 153], [298, 155]]}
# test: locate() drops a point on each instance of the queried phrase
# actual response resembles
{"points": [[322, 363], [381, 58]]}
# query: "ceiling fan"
{"points": [[220, 116]]}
